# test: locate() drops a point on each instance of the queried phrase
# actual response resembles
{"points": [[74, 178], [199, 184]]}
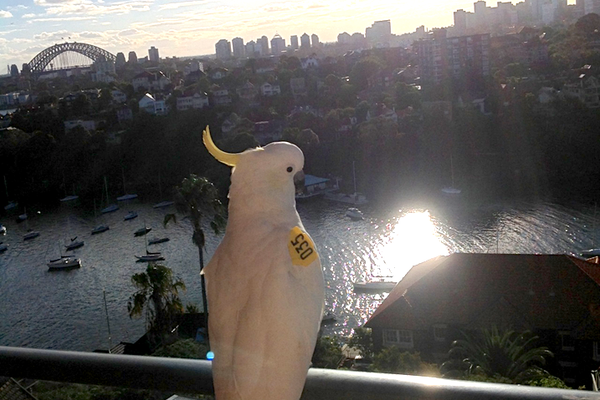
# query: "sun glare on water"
{"points": [[412, 240]]}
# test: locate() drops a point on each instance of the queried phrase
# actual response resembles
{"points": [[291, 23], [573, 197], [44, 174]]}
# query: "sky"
{"points": [[192, 27]]}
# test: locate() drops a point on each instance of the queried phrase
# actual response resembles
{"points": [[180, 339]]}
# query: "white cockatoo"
{"points": [[264, 283]]}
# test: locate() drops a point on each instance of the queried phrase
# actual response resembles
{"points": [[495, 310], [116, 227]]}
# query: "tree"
{"points": [[195, 197], [362, 340], [494, 353], [158, 294]]}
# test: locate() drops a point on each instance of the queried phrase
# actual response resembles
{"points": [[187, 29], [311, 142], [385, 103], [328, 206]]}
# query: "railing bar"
{"points": [[195, 376]]}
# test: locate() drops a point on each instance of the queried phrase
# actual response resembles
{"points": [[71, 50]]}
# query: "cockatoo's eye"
{"points": [[290, 169]]}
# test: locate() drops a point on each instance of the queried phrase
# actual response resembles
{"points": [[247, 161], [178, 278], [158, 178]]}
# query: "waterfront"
{"points": [[65, 310]]}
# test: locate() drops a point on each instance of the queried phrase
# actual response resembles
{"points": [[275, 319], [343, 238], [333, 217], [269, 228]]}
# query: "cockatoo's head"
{"points": [[263, 173]]}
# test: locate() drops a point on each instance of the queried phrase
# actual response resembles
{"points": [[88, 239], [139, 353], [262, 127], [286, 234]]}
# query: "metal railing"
{"points": [[194, 376]]}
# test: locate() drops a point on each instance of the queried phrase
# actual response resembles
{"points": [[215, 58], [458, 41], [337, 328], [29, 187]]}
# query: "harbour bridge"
{"points": [[68, 55]]}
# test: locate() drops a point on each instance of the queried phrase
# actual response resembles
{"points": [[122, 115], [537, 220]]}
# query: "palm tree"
{"points": [[158, 294], [195, 197], [495, 353]]}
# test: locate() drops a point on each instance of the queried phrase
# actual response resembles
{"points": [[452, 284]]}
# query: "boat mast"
{"points": [[107, 321], [106, 189], [354, 176]]}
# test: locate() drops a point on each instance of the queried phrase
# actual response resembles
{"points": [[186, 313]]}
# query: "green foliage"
{"points": [[362, 340], [328, 353], [493, 353], [184, 348], [158, 294], [67, 391], [398, 361]]}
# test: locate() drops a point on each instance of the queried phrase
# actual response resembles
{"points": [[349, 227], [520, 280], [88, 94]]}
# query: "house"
{"points": [[309, 62], [196, 101], [88, 125], [218, 73], [298, 86], [220, 95], [150, 81], [586, 89], [268, 131], [247, 91], [555, 296], [118, 97], [152, 106], [267, 89]]}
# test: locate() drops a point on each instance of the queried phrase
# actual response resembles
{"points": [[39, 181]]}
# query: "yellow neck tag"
{"points": [[301, 247]]}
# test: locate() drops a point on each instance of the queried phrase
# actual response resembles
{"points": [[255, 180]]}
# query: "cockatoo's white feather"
{"points": [[265, 309]]}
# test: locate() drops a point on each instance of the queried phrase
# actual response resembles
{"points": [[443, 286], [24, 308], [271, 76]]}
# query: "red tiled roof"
{"points": [[523, 291]]}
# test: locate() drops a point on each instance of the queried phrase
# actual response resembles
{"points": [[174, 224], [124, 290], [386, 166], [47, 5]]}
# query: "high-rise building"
{"points": [[380, 33], [238, 47], [294, 42], [441, 57], [304, 41], [153, 54], [263, 45], [250, 50], [14, 70], [315, 40], [460, 21], [120, 60], [344, 38], [277, 45], [132, 58], [223, 49]]}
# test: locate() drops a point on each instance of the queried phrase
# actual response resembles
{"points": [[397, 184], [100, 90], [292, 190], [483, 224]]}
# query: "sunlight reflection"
{"points": [[414, 239]]}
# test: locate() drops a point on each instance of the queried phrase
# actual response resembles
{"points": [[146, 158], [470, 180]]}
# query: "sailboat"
{"points": [[11, 204], [31, 234], [451, 190], [68, 197], [355, 198], [109, 207], [162, 204], [99, 228], [64, 262], [126, 196], [150, 255]]}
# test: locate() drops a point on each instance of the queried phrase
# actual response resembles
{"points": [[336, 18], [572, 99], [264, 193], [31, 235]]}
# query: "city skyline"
{"points": [[192, 27]]}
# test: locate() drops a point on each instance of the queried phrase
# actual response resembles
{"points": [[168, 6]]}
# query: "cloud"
{"points": [[59, 19], [26, 16], [173, 6], [87, 7], [128, 32], [5, 14]]}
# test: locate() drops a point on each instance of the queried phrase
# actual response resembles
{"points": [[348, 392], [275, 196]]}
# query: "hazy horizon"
{"points": [[189, 27]]}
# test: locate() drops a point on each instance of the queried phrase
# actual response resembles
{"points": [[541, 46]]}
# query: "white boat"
{"points": [[99, 228], [75, 244], [150, 257], [142, 231], [110, 208], [127, 197], [2, 230], [69, 198], [374, 286], [64, 262], [11, 205], [163, 204], [158, 240], [130, 215], [590, 253], [451, 190], [31, 235], [354, 214], [22, 217], [3, 247], [355, 198]]}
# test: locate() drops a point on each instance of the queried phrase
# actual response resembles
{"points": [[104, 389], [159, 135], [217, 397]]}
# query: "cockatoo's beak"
{"points": [[226, 158], [299, 181]]}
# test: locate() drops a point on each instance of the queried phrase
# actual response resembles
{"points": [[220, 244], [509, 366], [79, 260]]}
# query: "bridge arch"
{"points": [[43, 58]]}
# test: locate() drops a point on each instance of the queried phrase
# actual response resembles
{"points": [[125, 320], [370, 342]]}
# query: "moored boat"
{"points": [[64, 262], [130, 215], [2, 230], [354, 214], [158, 240], [374, 286], [150, 257], [75, 244], [163, 204], [31, 235]]}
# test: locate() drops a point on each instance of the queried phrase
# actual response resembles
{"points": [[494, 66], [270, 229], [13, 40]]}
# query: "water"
{"points": [[65, 309]]}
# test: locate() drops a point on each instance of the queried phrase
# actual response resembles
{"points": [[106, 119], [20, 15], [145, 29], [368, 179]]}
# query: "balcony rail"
{"points": [[194, 376]]}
